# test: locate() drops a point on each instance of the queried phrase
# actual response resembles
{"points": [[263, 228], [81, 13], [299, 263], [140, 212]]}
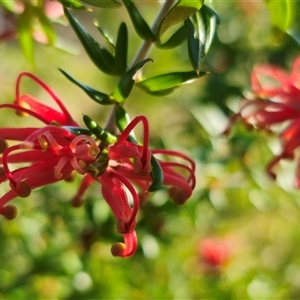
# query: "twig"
{"points": [[141, 54]]}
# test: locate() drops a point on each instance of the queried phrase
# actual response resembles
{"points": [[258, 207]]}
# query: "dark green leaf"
{"points": [[121, 50], [180, 12], [164, 84], [176, 39], [126, 83], [77, 130], [103, 3], [294, 32], [140, 25], [106, 37], [73, 4], [99, 132], [102, 58], [201, 29], [157, 175], [93, 94], [24, 31]]}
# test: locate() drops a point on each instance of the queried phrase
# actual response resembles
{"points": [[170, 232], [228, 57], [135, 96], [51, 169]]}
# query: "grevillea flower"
{"points": [[276, 102], [123, 167], [213, 253], [128, 165], [52, 152]]}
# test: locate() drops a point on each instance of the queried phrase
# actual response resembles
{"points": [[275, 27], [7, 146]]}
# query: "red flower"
{"points": [[214, 253], [54, 151], [128, 163], [277, 101]]}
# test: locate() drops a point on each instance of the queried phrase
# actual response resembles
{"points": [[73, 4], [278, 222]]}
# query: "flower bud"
{"points": [[23, 189], [71, 177], [23, 104], [9, 212], [2, 172], [178, 195], [118, 249], [3, 145], [77, 201]]}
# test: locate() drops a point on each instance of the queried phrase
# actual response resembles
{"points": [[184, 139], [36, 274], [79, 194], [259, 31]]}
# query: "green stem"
{"points": [[146, 46], [141, 54]]}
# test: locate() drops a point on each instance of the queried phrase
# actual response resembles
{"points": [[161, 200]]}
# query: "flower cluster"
{"points": [[53, 152], [276, 102]]}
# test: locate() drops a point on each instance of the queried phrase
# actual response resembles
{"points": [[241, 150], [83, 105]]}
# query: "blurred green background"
{"points": [[54, 251]]}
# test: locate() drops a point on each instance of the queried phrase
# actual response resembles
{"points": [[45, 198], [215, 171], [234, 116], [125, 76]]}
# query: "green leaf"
{"points": [[140, 25], [46, 25], [99, 132], [122, 118], [164, 84], [77, 130], [122, 121], [180, 12], [201, 29], [175, 40], [95, 95], [106, 37], [126, 83], [102, 58], [10, 6], [24, 31], [157, 175], [283, 13], [121, 50], [103, 3], [73, 4]]}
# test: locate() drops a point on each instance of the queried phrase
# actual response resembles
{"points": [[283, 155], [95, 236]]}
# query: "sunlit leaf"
{"points": [[283, 13], [164, 84], [73, 4], [25, 34], [9, 5], [157, 175], [101, 57], [140, 25], [95, 95], [121, 50], [176, 39], [201, 29], [46, 26], [180, 12], [103, 3], [126, 83]]}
